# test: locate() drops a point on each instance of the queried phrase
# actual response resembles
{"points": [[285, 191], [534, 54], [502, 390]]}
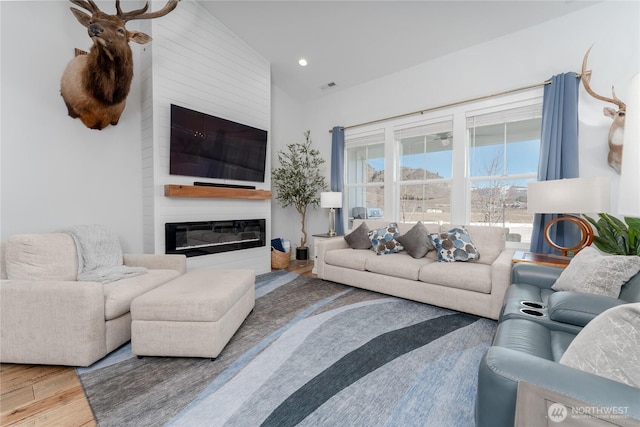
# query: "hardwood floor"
{"points": [[37, 395], [301, 267]]}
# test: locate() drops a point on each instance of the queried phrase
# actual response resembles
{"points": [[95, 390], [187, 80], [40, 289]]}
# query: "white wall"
{"points": [[197, 63], [523, 58], [55, 171], [287, 129]]}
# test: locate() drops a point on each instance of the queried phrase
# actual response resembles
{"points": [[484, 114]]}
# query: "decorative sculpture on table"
{"points": [[616, 132], [95, 86]]}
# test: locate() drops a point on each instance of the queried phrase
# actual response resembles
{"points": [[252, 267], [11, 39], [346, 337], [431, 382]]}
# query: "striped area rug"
{"points": [[312, 353]]}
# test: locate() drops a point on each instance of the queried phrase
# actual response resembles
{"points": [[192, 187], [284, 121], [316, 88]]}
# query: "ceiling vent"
{"points": [[328, 86]]}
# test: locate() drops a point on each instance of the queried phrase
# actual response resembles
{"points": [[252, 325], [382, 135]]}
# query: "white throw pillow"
{"points": [[594, 273], [609, 346]]}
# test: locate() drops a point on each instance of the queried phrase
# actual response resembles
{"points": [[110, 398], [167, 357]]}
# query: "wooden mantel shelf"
{"points": [[173, 190]]}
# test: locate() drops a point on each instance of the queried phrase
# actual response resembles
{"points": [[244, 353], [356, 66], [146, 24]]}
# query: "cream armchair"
{"points": [[48, 317]]}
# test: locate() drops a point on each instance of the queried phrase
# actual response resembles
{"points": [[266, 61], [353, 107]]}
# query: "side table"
{"points": [[317, 238], [542, 259]]}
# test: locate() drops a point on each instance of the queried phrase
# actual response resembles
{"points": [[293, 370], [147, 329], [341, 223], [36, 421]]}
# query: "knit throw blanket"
{"points": [[100, 255]]}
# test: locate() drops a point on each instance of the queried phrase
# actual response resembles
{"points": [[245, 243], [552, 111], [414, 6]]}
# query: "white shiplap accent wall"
{"points": [[197, 63]]}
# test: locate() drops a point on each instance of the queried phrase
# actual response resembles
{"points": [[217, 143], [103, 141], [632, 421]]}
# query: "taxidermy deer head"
{"points": [[616, 132], [95, 86]]}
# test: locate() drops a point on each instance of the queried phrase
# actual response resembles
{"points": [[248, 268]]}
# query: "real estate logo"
{"points": [[557, 412]]}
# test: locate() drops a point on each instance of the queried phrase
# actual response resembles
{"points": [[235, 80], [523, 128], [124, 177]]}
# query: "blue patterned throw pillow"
{"points": [[455, 245], [383, 240]]}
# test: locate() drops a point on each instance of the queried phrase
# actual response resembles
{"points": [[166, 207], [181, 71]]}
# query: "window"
{"points": [[364, 183], [468, 163], [425, 172], [503, 152]]}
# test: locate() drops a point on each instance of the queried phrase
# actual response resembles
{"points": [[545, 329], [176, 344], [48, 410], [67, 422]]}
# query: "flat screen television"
{"points": [[211, 147]]}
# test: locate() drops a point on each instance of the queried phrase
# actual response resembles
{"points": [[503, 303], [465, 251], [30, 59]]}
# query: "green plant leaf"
{"points": [[614, 236], [297, 181], [591, 220], [606, 245], [614, 222], [634, 234], [634, 224]]}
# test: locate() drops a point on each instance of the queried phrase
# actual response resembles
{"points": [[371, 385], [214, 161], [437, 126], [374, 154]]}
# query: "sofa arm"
{"points": [[500, 280], [541, 276], [501, 369], [51, 322], [577, 308], [157, 262], [325, 245]]}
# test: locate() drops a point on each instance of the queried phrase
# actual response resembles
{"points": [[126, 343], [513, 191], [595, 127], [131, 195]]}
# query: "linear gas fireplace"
{"points": [[210, 237]]}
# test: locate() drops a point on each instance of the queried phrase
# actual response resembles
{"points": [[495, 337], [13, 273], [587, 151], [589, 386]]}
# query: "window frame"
{"points": [[436, 123], [460, 179], [366, 138]]}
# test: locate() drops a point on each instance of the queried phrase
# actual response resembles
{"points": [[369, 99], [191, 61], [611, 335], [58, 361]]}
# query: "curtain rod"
{"points": [[453, 104]]}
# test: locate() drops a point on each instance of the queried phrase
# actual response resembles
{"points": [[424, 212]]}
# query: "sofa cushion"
{"points": [[119, 294], [579, 308], [455, 245], [348, 258], [397, 265], [46, 256], [609, 346], [592, 272], [469, 276], [359, 238], [490, 241], [417, 241], [532, 338], [384, 240], [202, 295]]}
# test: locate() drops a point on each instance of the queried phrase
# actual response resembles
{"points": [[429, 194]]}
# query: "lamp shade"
{"points": [[629, 197], [574, 195], [331, 199]]}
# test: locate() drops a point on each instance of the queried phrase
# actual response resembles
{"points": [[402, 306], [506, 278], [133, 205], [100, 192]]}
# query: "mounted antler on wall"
{"points": [[95, 86], [616, 132]]}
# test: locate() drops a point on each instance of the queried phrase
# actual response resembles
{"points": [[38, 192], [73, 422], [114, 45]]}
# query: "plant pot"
{"points": [[302, 254]]}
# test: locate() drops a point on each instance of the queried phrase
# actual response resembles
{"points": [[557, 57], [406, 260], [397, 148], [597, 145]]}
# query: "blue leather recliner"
{"points": [[536, 327]]}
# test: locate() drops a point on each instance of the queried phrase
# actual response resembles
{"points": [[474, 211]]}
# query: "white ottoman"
{"points": [[194, 315]]}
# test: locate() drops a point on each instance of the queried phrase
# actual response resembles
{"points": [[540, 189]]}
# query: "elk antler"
{"points": [[140, 13], [586, 77], [86, 5]]}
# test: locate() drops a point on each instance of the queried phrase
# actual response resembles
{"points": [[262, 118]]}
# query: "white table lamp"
{"points": [[568, 197], [331, 200]]}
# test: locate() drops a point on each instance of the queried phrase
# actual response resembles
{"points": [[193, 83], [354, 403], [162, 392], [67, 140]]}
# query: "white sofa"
{"points": [[475, 287], [48, 317]]}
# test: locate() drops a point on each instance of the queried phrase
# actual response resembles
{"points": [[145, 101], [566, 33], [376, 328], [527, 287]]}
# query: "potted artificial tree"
{"points": [[298, 182]]}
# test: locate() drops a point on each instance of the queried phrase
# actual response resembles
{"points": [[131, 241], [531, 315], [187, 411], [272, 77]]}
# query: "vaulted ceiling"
{"points": [[351, 42]]}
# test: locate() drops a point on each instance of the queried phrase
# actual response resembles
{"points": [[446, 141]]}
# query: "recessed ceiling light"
{"points": [[302, 62]]}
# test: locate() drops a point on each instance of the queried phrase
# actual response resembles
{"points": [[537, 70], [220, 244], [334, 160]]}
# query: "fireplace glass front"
{"points": [[210, 237]]}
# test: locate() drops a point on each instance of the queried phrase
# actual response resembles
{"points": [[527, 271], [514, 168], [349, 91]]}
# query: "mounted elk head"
{"points": [[616, 132], [95, 86]]}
